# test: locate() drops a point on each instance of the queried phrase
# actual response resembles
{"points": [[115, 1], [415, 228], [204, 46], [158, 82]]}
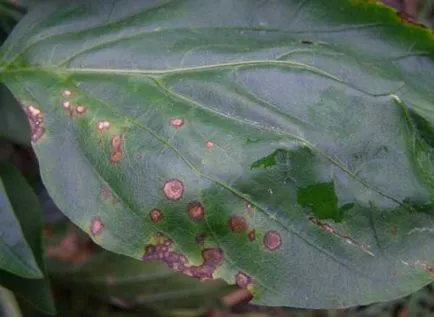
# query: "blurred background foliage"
{"points": [[89, 281]]}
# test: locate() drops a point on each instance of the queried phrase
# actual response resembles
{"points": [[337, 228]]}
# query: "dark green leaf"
{"points": [[13, 122], [214, 129], [27, 210], [16, 256]]}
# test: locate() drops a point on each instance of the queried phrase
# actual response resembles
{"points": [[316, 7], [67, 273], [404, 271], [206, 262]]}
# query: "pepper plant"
{"points": [[285, 147]]}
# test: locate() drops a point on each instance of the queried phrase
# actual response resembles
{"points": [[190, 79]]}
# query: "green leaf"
{"points": [[208, 134], [13, 122], [27, 210], [16, 256]]}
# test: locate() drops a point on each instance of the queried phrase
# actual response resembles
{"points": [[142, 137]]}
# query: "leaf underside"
{"points": [[284, 146]]}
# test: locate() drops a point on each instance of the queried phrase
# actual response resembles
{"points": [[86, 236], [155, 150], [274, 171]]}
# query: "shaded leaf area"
{"points": [[13, 122], [77, 266], [282, 146], [27, 211], [16, 256]]}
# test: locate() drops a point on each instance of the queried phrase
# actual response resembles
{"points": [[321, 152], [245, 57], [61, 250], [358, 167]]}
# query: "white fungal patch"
{"points": [[66, 104]]}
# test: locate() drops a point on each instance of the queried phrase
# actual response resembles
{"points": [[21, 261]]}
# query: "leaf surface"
{"points": [[285, 146]]}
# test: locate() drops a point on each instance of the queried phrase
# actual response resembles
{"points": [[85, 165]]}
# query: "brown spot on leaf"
{"points": [[80, 109], [252, 235], [394, 230], [156, 215], [116, 156], [66, 93], [200, 238], [242, 280], [212, 258], [195, 210], [96, 226], [272, 240], [105, 192], [306, 42], [103, 125], [173, 189], [176, 122], [36, 121], [428, 268], [116, 149], [237, 224]]}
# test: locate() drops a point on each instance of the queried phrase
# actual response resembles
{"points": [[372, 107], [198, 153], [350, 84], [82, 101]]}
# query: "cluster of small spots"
{"points": [[156, 215], [103, 125], [210, 145], [96, 226], [36, 121], [252, 235], [242, 280], [237, 224], [195, 210], [272, 240], [176, 122], [116, 149], [200, 238], [173, 189], [162, 250], [73, 111]]}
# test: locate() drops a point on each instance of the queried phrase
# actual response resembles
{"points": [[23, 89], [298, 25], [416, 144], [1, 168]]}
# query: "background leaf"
{"points": [[26, 207], [191, 131], [13, 122], [16, 256]]}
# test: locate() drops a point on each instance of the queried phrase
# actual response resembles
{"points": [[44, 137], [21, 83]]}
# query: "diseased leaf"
{"points": [[27, 210], [284, 146], [16, 256]]}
